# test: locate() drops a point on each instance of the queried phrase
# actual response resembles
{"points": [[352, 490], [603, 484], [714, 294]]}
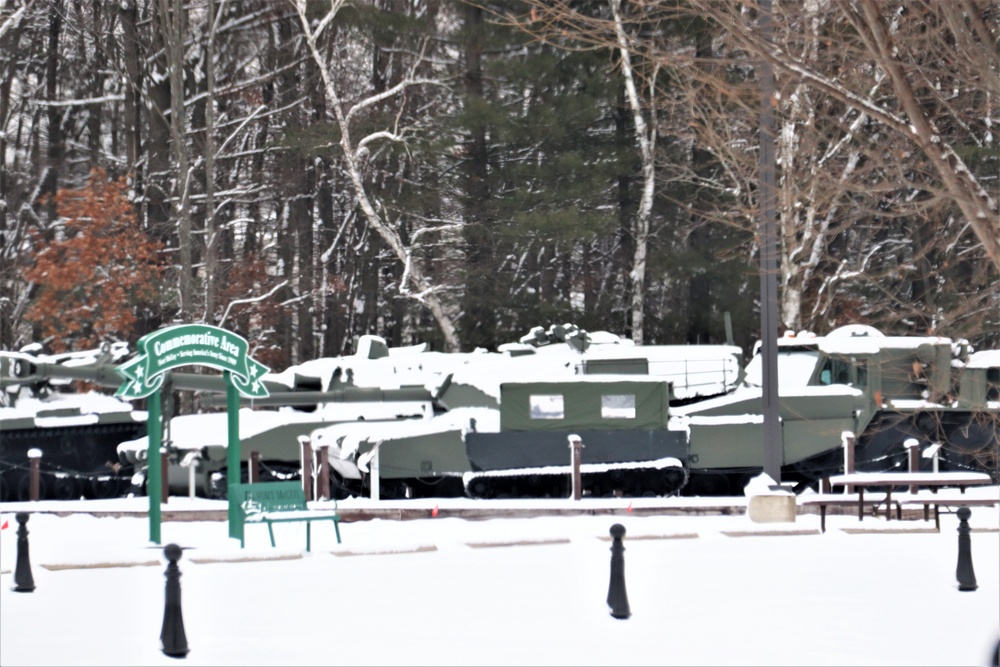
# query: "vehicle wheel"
{"points": [[104, 483], [481, 488], [24, 487], [65, 488]]}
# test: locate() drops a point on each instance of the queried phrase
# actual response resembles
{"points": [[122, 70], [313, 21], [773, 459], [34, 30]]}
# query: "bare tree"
{"points": [[856, 176], [914, 108], [413, 281], [172, 22]]}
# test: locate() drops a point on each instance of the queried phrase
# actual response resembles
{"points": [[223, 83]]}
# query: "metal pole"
{"points": [[964, 571], [233, 453], [913, 451], [376, 479], [164, 475], [772, 441], [848, 439], [617, 595], [154, 477], [24, 582], [172, 635]]}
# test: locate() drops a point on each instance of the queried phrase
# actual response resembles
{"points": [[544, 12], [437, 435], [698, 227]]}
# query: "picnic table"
{"points": [[888, 480]]}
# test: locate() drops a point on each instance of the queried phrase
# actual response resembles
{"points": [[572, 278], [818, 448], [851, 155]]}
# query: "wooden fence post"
{"points": [[253, 474], [848, 439], [323, 482], [307, 467], [35, 473], [913, 456]]}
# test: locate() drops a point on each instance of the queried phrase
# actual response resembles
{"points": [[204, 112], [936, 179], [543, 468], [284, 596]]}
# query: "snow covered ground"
{"points": [[702, 589]]}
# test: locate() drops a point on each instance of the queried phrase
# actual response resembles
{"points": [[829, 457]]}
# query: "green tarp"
{"points": [[590, 402]]}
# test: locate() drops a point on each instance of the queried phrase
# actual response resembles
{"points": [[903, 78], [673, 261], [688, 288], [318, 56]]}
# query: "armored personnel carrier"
{"points": [[880, 390]]}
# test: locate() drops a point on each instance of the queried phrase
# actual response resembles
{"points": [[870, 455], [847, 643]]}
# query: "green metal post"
{"points": [[233, 452], [154, 478]]}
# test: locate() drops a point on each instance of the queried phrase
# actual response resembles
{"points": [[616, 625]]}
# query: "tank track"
{"points": [[598, 481]]}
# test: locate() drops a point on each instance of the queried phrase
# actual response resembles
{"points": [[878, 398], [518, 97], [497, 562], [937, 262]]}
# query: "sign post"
{"points": [[190, 345]]}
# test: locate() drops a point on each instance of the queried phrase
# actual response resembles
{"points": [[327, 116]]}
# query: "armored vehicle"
{"points": [[652, 419], [75, 434], [430, 414], [880, 390]]}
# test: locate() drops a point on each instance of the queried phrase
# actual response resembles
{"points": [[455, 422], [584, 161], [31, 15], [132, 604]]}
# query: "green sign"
{"points": [[187, 345], [191, 345]]}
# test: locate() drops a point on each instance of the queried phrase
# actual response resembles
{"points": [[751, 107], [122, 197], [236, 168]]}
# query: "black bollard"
{"points": [[23, 581], [172, 635], [966, 575], [617, 597]]}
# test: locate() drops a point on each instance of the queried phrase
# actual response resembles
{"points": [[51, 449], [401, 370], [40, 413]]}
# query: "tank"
{"points": [[75, 433]]}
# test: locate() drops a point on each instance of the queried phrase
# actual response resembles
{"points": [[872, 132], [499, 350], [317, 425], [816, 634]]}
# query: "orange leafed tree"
{"points": [[96, 272]]}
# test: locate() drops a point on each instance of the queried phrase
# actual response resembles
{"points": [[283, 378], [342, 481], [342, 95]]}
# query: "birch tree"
{"points": [[645, 134]]}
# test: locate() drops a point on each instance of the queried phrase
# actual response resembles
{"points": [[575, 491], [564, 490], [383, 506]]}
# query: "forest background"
{"points": [[458, 172]]}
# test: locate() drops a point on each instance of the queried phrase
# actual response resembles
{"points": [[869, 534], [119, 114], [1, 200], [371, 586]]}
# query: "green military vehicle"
{"points": [[653, 420], [853, 385]]}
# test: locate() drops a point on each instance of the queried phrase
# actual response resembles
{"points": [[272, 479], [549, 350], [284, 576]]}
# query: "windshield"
{"points": [[794, 369]]}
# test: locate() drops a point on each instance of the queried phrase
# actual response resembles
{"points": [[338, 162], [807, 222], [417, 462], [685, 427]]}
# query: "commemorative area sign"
{"points": [[191, 345]]}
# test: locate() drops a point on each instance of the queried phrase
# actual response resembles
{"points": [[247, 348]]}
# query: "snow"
{"points": [[984, 359], [89, 403], [703, 589]]}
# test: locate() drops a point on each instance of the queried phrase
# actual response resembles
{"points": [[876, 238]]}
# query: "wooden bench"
{"points": [[949, 500], [825, 500], [277, 502]]}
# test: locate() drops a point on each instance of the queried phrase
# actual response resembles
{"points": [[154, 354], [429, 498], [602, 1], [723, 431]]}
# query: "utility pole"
{"points": [[772, 442]]}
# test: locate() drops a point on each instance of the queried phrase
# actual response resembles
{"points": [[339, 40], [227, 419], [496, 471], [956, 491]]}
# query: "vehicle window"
{"points": [[546, 406], [835, 371], [618, 406], [794, 369]]}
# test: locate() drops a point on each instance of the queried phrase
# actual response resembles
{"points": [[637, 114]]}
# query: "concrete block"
{"points": [[776, 508]]}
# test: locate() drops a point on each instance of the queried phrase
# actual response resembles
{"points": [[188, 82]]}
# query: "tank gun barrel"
{"points": [[345, 395], [22, 369]]}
